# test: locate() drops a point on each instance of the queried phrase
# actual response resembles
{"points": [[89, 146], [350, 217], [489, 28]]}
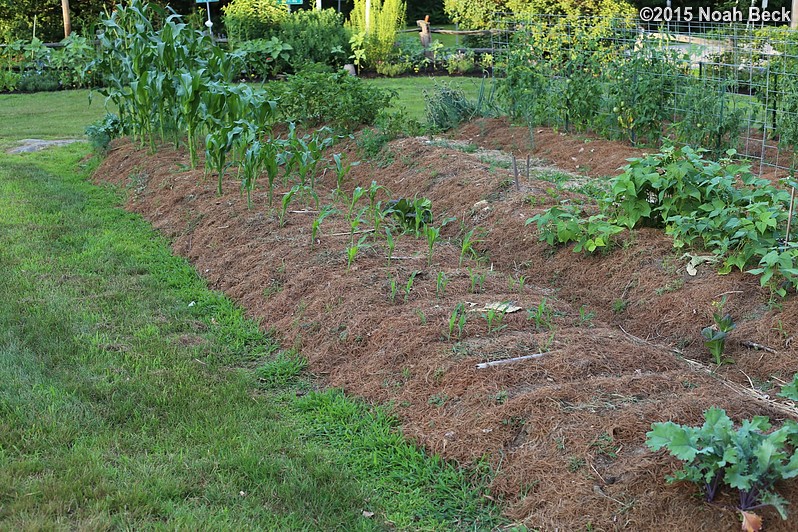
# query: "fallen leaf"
{"points": [[751, 522], [691, 270], [367, 514], [505, 307]]}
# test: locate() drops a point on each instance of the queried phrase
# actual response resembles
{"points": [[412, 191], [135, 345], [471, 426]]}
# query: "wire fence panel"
{"points": [[717, 86]]}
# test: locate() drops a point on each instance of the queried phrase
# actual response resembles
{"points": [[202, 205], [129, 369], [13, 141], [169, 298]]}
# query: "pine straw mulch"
{"points": [[564, 432]]}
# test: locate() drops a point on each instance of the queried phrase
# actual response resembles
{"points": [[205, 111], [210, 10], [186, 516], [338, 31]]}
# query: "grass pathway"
{"points": [[134, 397]]}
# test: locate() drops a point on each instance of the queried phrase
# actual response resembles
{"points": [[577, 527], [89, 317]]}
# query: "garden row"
{"points": [[735, 91]]}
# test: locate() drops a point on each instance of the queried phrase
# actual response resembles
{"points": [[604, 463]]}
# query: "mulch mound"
{"points": [[563, 432]]}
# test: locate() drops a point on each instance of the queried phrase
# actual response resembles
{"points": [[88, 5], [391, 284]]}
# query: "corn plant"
{"points": [[409, 285], [477, 280], [394, 286], [467, 245], [494, 318], [351, 251], [217, 146], [457, 321], [342, 169], [518, 282], [389, 239], [286, 201], [250, 169], [432, 234], [314, 229], [375, 207], [440, 284], [541, 315]]}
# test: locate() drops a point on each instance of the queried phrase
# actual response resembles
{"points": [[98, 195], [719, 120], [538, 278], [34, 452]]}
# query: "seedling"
{"points": [[586, 316], [541, 315], [409, 285], [715, 336], [518, 282], [342, 169], [421, 316], [394, 284], [433, 235], [391, 243], [477, 280], [286, 200], [467, 245], [351, 251], [457, 321], [440, 284], [494, 318], [314, 229]]}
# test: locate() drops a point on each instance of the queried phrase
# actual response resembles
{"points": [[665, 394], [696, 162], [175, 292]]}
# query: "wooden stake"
{"points": [[515, 173]]}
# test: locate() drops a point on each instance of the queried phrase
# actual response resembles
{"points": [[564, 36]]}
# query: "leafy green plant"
{"points": [[352, 250], [393, 286], [790, 390], [748, 459], [102, 132], [412, 214], [715, 336]]}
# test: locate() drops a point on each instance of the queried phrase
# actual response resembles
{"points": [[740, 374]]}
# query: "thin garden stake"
{"points": [[515, 173], [792, 204]]}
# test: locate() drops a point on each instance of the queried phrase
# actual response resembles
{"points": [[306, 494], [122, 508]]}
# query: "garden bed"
{"points": [[563, 433]]}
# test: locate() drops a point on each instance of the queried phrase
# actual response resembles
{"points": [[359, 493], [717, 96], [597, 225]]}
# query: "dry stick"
{"points": [[788, 410], [509, 360], [515, 173], [527, 167], [758, 347], [351, 233]]}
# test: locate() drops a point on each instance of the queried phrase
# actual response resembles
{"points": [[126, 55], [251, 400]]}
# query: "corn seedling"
{"points": [[217, 145], [314, 229], [433, 234], [389, 239], [394, 287], [467, 245], [409, 285], [477, 280], [586, 316], [440, 284], [457, 321], [421, 316], [541, 315], [518, 283], [494, 318], [286, 200], [250, 169], [342, 169], [376, 206], [351, 251]]}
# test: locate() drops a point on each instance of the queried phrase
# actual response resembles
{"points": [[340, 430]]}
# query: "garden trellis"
{"points": [[715, 86]]}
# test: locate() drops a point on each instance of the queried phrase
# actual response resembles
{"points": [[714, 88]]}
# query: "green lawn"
{"points": [[133, 397]]}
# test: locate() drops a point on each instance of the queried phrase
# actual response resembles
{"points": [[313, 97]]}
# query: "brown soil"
{"points": [[564, 432]]}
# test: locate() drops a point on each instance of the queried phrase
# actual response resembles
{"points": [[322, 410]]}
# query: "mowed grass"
{"points": [[65, 114], [133, 397]]}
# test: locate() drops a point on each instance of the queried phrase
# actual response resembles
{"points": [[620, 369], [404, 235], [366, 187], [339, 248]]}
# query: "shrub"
{"points": [[8, 80], [448, 106], [103, 131], [338, 99], [253, 19], [35, 81], [315, 37]]}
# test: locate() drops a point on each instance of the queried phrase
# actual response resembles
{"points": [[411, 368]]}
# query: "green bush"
{"points": [[8, 80], [35, 81], [253, 19], [385, 19], [315, 37], [337, 99], [103, 131]]}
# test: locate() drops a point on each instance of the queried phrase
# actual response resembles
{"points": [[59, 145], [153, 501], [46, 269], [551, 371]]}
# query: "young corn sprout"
{"points": [[314, 229]]}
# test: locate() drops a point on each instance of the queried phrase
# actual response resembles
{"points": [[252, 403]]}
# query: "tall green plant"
{"points": [[386, 17]]}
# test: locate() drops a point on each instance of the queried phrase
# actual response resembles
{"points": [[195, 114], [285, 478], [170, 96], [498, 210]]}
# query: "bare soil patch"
{"points": [[564, 432]]}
